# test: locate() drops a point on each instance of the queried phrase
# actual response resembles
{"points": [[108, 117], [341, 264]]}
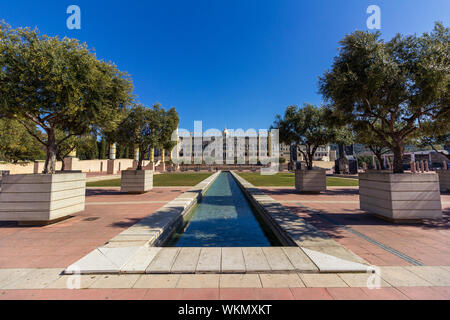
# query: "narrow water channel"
{"points": [[223, 218]]}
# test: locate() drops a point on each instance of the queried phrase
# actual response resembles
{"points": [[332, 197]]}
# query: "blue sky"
{"points": [[233, 63]]}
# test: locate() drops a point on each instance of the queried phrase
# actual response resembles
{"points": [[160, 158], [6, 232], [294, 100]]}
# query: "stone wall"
{"points": [[73, 164]]}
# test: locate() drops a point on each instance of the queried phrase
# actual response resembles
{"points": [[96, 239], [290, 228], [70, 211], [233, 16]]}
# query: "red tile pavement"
{"points": [[60, 244], [164, 294], [311, 294], [200, 294], [384, 294], [347, 293], [274, 294], [428, 242], [424, 293], [401, 293], [238, 294]]}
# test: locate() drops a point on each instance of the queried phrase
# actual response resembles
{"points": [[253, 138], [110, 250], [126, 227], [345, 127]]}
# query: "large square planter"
{"points": [[41, 198], [313, 181], [444, 180], [400, 197], [136, 181]]}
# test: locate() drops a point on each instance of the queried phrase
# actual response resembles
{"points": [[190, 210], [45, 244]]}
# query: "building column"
{"points": [[111, 163], [71, 161], [112, 151]]}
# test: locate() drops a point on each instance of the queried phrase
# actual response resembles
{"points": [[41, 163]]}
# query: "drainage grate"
{"points": [[91, 219]]}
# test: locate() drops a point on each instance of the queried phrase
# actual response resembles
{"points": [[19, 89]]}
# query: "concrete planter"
{"points": [[311, 180], [41, 198], [136, 181], [444, 180], [400, 197]]}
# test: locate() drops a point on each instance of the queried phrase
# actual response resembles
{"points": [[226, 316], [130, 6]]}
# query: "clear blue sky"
{"points": [[233, 63]]}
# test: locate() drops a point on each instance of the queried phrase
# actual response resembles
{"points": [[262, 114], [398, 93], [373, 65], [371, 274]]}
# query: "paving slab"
{"points": [[329, 263], [82, 281], [255, 260], [8, 276], [363, 279], [246, 280], [402, 277], [281, 280], [157, 281], [277, 259], [198, 281], [210, 260], [139, 262], [339, 252], [186, 260], [122, 281], [322, 280], [299, 259], [163, 261], [435, 275], [102, 260], [232, 260], [36, 279]]}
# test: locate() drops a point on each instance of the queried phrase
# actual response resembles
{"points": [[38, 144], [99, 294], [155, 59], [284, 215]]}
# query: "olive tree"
{"points": [[369, 139], [391, 87], [57, 85], [434, 134], [16, 144], [306, 126], [147, 128]]}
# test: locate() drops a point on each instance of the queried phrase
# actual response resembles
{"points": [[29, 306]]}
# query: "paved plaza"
{"points": [[413, 259]]}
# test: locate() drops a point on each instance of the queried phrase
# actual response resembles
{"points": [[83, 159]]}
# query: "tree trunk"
{"points": [[50, 160], [398, 158], [380, 160], [139, 166], [309, 163]]}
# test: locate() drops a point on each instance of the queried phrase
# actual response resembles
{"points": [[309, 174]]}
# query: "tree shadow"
{"points": [[328, 192], [356, 217], [125, 223]]}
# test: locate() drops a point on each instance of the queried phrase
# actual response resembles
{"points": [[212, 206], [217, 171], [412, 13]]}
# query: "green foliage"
{"points": [[59, 85], [434, 135], [305, 126], [102, 149], [390, 88], [365, 159], [16, 144], [147, 128]]}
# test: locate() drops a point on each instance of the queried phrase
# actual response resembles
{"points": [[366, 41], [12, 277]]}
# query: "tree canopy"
{"points": [[147, 128], [306, 126], [57, 84], [390, 88], [16, 144]]}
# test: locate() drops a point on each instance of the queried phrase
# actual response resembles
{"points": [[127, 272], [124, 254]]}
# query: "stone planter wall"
{"points": [[311, 180], [444, 180], [136, 181], [41, 198], [400, 197]]}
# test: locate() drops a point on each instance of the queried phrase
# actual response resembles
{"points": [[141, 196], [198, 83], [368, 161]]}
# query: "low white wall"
{"points": [[73, 164]]}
